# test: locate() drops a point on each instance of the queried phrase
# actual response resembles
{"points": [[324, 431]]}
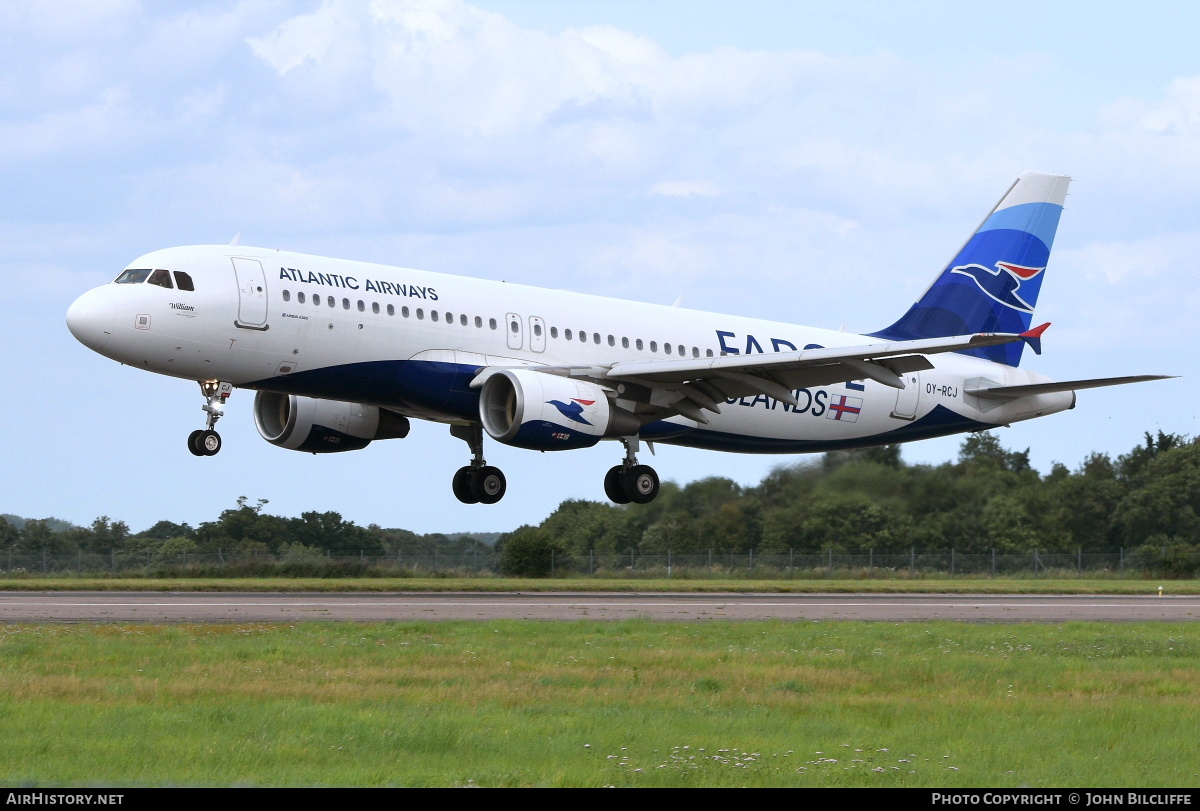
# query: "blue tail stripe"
{"points": [[977, 293], [1039, 219]]}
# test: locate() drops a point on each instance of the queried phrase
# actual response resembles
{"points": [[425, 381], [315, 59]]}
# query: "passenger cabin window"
{"points": [[287, 296], [162, 278], [391, 310], [184, 282], [433, 314], [300, 297], [462, 319], [567, 334], [554, 332], [492, 323], [375, 307], [133, 276]]}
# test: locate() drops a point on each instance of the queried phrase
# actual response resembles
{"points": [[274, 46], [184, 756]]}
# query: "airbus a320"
{"points": [[343, 353]]}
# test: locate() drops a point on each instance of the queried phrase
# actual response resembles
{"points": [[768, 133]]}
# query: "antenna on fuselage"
{"points": [[237, 239]]}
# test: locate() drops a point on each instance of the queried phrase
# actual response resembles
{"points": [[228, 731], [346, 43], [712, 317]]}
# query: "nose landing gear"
{"points": [[478, 482], [207, 442], [630, 481]]}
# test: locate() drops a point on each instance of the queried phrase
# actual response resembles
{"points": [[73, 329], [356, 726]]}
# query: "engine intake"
{"points": [[545, 412], [323, 426]]}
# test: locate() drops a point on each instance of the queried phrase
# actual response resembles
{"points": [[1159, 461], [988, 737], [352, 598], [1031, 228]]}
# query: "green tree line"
{"points": [[243, 528], [990, 498], [847, 502]]}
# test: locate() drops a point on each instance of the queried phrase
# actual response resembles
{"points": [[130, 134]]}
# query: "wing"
{"points": [[1013, 392], [658, 389]]}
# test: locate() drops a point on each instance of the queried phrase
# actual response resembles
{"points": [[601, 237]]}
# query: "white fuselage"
{"points": [[412, 341]]}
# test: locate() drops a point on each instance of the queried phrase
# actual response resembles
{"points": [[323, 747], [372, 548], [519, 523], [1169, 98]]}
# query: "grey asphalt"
{"points": [[159, 607]]}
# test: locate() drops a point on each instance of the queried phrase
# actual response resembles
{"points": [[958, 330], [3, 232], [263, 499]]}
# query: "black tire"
{"points": [[194, 443], [613, 487], [488, 485], [209, 443], [461, 484], [640, 483]]}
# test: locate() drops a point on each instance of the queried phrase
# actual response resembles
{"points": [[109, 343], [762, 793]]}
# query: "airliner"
{"points": [[342, 353]]}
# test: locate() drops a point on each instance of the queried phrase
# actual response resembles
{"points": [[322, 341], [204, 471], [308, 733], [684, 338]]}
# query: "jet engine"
{"points": [[544, 412], [323, 426]]}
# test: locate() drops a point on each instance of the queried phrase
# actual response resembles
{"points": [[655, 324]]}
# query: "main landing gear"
{"points": [[208, 442], [630, 481], [478, 482]]}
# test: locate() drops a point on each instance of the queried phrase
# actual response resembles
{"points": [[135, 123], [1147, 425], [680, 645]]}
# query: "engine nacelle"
{"points": [[545, 412], [323, 426]]}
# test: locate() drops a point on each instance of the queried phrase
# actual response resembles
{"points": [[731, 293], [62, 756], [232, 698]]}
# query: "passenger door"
{"points": [[909, 397], [252, 293]]}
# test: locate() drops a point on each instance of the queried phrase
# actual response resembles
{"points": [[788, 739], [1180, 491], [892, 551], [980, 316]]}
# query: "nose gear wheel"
{"points": [[207, 442]]}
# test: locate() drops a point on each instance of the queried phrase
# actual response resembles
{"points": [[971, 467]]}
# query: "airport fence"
{"points": [[710, 564]]}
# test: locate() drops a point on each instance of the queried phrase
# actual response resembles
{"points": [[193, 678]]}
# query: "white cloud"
{"points": [[1178, 113], [685, 188], [1113, 261], [305, 38]]}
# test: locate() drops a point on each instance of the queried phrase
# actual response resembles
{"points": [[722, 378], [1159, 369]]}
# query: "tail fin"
{"points": [[992, 284]]}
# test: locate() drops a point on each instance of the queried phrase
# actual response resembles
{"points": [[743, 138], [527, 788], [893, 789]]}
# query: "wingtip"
{"points": [[1033, 337]]}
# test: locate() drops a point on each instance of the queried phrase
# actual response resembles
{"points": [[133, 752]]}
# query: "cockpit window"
{"points": [[133, 276], [162, 278], [184, 282]]}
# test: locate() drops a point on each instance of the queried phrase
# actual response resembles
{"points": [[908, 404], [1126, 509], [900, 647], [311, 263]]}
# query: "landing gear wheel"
{"points": [[194, 443], [613, 487], [640, 483], [488, 485], [209, 443], [461, 484]]}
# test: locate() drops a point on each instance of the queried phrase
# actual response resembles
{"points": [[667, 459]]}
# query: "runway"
{"points": [[159, 607]]}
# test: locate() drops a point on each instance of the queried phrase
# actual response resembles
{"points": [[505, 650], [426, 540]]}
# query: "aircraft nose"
{"points": [[91, 319]]}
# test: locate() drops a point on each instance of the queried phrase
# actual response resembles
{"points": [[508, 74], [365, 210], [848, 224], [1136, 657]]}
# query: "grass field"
{"points": [[961, 585], [592, 704]]}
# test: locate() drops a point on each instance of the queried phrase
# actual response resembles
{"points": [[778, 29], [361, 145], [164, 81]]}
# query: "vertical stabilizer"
{"points": [[992, 284]]}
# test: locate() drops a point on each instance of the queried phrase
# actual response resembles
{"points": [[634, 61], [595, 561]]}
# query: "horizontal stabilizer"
{"points": [[1013, 392]]}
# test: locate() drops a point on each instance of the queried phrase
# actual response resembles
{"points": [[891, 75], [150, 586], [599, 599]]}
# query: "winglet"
{"points": [[1033, 337]]}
